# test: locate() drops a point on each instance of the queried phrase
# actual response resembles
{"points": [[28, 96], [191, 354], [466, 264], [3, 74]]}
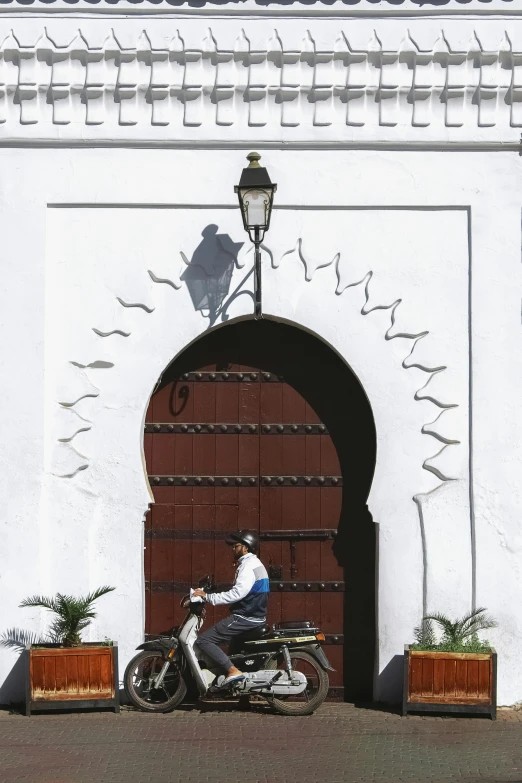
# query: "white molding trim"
{"points": [[248, 8], [84, 92], [393, 305]]}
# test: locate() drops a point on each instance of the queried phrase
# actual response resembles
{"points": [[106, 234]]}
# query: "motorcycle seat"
{"points": [[255, 633], [296, 624]]}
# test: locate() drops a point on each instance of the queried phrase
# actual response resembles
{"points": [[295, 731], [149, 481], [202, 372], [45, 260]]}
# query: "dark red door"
{"points": [[230, 446]]}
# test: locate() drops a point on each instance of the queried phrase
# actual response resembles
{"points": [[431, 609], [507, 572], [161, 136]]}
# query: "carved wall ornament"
{"points": [[444, 462], [81, 91]]}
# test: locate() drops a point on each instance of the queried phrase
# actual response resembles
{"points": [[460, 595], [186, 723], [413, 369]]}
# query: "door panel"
{"points": [[246, 456]]}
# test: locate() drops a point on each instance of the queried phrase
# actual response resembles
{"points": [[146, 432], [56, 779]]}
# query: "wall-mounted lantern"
{"points": [[256, 195]]}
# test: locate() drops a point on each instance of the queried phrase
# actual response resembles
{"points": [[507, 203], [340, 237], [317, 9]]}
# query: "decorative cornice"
{"points": [[337, 8], [338, 93]]}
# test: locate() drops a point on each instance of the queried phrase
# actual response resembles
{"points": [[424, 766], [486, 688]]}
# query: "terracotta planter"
{"points": [[61, 678], [449, 682]]}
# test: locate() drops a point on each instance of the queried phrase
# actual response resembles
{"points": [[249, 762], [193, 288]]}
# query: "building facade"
{"points": [[391, 277]]}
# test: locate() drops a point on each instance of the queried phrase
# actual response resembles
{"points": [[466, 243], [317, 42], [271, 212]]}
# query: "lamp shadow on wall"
{"points": [[209, 274]]}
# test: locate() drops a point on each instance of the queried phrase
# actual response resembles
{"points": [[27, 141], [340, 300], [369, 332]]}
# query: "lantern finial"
{"points": [[254, 158]]}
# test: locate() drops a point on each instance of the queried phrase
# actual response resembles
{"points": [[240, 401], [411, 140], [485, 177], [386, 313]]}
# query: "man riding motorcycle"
{"points": [[248, 600]]}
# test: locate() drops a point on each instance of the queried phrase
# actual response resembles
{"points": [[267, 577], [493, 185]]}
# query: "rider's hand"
{"points": [[199, 593]]}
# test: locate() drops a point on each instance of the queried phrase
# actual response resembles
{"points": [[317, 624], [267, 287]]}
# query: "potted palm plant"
{"points": [[62, 670], [452, 671]]}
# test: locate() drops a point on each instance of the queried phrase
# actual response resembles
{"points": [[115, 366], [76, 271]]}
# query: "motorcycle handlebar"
{"points": [[206, 584]]}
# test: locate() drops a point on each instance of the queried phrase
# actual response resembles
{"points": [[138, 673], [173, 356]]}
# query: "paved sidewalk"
{"points": [[214, 743]]}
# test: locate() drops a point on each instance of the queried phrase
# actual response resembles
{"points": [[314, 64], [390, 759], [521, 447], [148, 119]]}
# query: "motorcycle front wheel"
{"points": [[139, 683], [317, 683]]}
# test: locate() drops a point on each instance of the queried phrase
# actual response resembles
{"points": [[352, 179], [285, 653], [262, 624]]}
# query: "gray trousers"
{"points": [[207, 643]]}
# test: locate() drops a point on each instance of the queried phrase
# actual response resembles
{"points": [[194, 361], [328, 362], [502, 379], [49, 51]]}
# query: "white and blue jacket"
{"points": [[249, 595]]}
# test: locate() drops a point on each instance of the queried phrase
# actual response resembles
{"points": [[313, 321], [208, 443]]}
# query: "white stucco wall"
{"points": [[405, 260]]}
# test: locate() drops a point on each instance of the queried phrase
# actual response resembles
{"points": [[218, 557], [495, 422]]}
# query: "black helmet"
{"points": [[247, 537]]}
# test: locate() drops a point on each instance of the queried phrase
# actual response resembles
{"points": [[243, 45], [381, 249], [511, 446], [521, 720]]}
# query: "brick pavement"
{"points": [[214, 743]]}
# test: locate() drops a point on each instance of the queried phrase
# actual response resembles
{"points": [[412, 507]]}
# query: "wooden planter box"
{"points": [[64, 678], [449, 682]]}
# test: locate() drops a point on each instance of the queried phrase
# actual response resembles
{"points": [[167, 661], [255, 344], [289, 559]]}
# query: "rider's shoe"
{"points": [[231, 680]]}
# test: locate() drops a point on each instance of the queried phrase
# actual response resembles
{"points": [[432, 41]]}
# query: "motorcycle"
{"points": [[284, 664]]}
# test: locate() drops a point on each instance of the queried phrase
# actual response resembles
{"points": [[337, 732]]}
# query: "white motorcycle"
{"points": [[283, 664]]}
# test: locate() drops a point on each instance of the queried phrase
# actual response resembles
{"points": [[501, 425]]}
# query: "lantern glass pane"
{"points": [[255, 204]]}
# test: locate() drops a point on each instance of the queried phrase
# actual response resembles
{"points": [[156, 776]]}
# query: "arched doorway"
{"points": [[260, 424]]}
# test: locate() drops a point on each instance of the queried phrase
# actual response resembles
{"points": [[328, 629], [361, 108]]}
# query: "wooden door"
{"points": [[232, 446]]}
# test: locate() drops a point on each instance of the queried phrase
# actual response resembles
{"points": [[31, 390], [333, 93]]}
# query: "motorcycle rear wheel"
{"points": [[137, 682], [317, 684]]}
